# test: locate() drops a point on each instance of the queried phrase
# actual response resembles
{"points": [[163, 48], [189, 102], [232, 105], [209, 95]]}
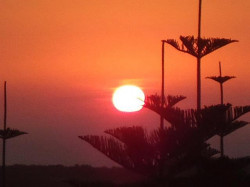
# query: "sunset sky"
{"points": [[62, 60]]}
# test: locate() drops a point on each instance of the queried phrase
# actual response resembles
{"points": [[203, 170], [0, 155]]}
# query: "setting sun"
{"points": [[128, 98]]}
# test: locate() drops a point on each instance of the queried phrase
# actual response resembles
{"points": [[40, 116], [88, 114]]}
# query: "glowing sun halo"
{"points": [[128, 98]]}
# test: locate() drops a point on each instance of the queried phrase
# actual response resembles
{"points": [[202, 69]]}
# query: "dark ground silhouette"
{"points": [[62, 176], [217, 172]]}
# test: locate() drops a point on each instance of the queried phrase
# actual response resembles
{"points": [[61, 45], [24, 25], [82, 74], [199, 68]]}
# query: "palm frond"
{"points": [[209, 152], [137, 156], [10, 133], [221, 79], [222, 119], [139, 145], [154, 102], [128, 135], [173, 100], [231, 127], [111, 148], [209, 45], [189, 45], [179, 145], [235, 112], [177, 117]]}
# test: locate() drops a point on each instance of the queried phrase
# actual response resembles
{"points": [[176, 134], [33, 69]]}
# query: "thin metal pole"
{"points": [[199, 61], [4, 140]]}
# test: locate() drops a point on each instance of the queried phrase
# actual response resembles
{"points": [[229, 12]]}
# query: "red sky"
{"points": [[62, 60]]}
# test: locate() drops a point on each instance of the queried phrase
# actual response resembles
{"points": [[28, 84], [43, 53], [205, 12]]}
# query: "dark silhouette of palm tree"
{"points": [[133, 147], [221, 79], [130, 147], [5, 134], [180, 145], [162, 83], [170, 149], [199, 47], [221, 118]]}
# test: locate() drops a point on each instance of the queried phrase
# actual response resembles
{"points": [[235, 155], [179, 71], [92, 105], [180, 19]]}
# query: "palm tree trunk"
{"points": [[3, 162], [4, 140], [162, 87], [198, 84], [221, 86], [221, 94], [199, 61], [161, 161], [221, 146], [221, 137], [221, 101]]}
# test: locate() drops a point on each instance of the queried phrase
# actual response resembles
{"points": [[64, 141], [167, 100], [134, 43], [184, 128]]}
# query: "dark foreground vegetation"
{"points": [[215, 172], [62, 176]]}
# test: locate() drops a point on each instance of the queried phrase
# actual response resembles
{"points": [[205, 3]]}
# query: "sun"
{"points": [[128, 98]]}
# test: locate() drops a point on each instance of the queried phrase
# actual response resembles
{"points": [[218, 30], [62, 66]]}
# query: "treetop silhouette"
{"points": [[183, 141], [10, 133], [221, 79], [6, 133], [192, 45], [182, 144]]}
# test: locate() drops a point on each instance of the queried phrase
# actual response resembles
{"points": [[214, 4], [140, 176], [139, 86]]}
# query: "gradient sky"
{"points": [[62, 60]]}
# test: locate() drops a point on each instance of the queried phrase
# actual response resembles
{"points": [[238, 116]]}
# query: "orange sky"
{"points": [[62, 60]]}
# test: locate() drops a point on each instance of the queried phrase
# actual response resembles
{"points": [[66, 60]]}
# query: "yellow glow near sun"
{"points": [[128, 98]]}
